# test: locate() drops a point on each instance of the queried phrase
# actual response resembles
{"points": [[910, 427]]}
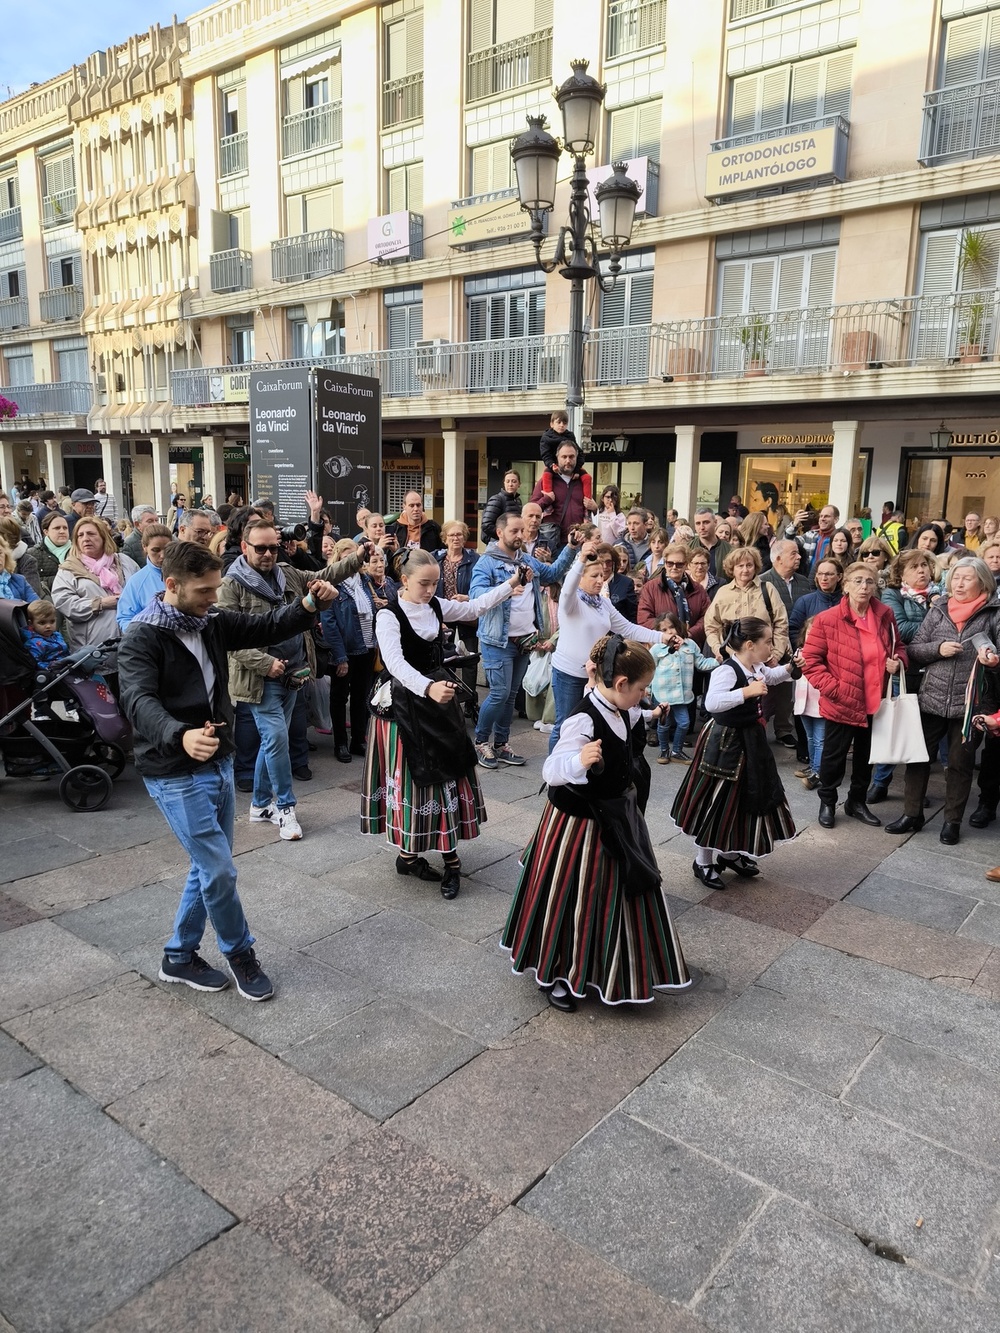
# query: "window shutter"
{"points": [[415, 187], [640, 298], [805, 90], [940, 263], [295, 212], [514, 18], [622, 134], [822, 269], [774, 98], [481, 157], [536, 313], [55, 272], [650, 115], [732, 285], [337, 207], [743, 115], [761, 285], [476, 318], [965, 41], [397, 189], [295, 95], [543, 14], [791, 270], [241, 108], [481, 24], [613, 306], [318, 211], [59, 175], [399, 327], [837, 95], [395, 49], [335, 81], [414, 42]]}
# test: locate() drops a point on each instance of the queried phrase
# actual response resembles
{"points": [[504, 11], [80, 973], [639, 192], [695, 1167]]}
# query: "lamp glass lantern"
{"points": [[580, 100], [536, 161], [941, 438], [407, 447], [620, 444], [617, 198]]}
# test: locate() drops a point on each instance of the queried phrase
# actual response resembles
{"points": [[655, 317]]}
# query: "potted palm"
{"points": [[976, 261], [755, 335], [972, 331]]}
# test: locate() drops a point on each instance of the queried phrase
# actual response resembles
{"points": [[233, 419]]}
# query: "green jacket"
{"points": [[249, 668]]}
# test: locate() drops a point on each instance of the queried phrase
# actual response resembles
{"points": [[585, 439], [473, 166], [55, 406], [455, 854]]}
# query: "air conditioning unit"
{"points": [[432, 360]]}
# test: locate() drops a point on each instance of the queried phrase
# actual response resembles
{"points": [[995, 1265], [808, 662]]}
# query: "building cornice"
{"points": [[36, 115]]}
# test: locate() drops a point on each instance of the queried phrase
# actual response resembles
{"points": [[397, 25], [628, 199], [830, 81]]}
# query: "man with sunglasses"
{"points": [[266, 681]]}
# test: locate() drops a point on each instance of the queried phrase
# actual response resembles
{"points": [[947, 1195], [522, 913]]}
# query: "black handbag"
{"points": [[436, 744], [724, 755]]}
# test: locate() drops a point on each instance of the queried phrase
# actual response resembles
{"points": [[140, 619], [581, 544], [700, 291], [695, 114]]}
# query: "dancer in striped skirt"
{"points": [[434, 815], [731, 800], [589, 910]]}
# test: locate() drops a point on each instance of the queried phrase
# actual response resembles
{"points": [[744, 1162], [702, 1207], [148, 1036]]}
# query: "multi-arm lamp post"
{"points": [[536, 157]]}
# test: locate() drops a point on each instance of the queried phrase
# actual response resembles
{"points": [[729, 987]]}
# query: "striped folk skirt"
{"points": [[570, 921], [711, 810], [414, 819]]}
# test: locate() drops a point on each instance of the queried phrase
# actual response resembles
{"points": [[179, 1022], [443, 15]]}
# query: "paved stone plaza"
{"points": [[408, 1137]]}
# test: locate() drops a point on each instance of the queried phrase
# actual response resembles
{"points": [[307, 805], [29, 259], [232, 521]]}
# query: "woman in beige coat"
{"points": [[745, 596], [87, 587]]}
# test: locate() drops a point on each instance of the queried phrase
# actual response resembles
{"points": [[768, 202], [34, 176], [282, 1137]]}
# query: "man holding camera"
{"points": [[268, 680], [509, 631]]}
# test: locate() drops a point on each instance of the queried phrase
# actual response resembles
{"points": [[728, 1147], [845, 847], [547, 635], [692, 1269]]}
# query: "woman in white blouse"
{"points": [[434, 814]]}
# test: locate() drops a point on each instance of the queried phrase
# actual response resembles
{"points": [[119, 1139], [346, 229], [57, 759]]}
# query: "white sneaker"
{"points": [[264, 814], [546, 727], [288, 825]]}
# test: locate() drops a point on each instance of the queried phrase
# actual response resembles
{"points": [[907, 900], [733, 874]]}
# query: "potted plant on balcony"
{"points": [[972, 332], [8, 409], [976, 260], [755, 335]]}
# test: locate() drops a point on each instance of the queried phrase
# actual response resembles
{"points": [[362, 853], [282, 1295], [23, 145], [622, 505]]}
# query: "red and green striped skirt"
{"points": [[570, 920], [414, 819]]}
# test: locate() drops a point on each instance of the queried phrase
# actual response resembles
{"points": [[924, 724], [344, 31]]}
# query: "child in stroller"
{"points": [[85, 744]]}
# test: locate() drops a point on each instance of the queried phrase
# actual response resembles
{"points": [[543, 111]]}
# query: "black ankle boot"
{"points": [[827, 815], [906, 824], [452, 881], [982, 815], [416, 866], [858, 810]]}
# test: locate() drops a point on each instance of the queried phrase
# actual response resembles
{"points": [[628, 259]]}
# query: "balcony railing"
{"points": [[316, 127], [744, 9], [66, 398], [963, 121], [233, 158], [231, 270], [13, 312], [635, 24], [60, 303], [513, 64], [402, 100], [58, 208], [10, 224], [311, 255]]}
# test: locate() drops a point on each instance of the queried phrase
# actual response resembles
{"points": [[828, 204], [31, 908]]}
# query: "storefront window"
{"points": [[952, 487], [626, 476], [709, 485], [926, 488], [794, 481]]}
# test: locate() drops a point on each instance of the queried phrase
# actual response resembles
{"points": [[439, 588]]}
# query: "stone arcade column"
{"points": [[688, 456]]}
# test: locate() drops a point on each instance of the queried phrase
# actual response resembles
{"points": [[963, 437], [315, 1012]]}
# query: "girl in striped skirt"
{"points": [[436, 816], [731, 800], [586, 912]]}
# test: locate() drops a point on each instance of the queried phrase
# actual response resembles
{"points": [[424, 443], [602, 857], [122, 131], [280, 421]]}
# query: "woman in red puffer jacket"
{"points": [[846, 656]]}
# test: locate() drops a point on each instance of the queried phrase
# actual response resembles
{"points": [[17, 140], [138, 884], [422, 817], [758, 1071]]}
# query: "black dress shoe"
{"points": [[343, 754], [906, 824], [564, 1001], [452, 882], [789, 742], [949, 834], [982, 815], [877, 793], [244, 784], [827, 815], [708, 875], [303, 774], [858, 810], [745, 866], [416, 866]]}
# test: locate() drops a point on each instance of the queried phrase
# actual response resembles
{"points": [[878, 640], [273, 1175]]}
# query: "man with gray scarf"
{"points": [[268, 680]]}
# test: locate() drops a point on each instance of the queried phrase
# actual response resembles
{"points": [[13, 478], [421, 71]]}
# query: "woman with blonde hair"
{"points": [[876, 554], [753, 531], [14, 587], [745, 597], [87, 587]]}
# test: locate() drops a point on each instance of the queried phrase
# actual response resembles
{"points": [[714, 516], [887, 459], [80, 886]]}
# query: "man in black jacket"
{"points": [[790, 585], [174, 676]]}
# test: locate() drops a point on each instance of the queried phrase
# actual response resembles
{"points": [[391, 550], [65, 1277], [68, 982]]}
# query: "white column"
{"points": [[213, 472], [454, 474], [161, 474], [8, 476], [845, 453], [55, 472], [111, 466], [688, 456]]}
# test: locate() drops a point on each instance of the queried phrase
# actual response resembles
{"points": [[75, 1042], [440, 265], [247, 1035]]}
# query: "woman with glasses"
{"points": [[877, 554], [846, 655], [828, 578], [672, 592]]}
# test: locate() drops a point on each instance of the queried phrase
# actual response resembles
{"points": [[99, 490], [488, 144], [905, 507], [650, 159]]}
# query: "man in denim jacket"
{"points": [[506, 631]]}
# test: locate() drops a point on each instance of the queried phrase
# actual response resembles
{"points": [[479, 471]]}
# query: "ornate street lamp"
{"points": [[941, 438], [536, 157]]}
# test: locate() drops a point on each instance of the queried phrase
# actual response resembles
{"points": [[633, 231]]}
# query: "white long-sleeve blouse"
{"points": [[425, 623], [580, 626]]}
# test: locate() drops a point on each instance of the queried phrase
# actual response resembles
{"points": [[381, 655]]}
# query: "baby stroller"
{"points": [[59, 719]]}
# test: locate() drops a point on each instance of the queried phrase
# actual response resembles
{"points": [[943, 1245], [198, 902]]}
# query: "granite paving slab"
{"points": [[928, 861], [768, 903], [29, 856], [56, 891], [795, 1271], [501, 875], [113, 1038], [943, 1099], [128, 820], [88, 1214], [15, 1060], [294, 908], [42, 962], [14, 913], [519, 1274], [912, 901], [982, 925], [728, 946], [376, 1222], [898, 944], [792, 1039], [238, 1282], [504, 1117], [129, 919], [240, 1123], [854, 1166], [905, 1006], [646, 1204], [382, 1056], [467, 986]]}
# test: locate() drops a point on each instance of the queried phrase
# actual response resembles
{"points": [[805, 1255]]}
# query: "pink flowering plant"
{"points": [[8, 410]]}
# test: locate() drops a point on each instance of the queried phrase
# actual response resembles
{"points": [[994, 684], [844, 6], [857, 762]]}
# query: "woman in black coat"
{"points": [[507, 501]]}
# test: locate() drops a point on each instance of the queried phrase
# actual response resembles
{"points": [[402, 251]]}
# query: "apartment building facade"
{"points": [[810, 293]]}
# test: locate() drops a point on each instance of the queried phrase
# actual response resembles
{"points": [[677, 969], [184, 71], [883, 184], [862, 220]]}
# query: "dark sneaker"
{"points": [[197, 974], [487, 759], [251, 981], [505, 755]]}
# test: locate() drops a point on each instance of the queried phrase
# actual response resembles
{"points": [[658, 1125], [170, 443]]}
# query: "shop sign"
{"points": [[782, 160], [796, 439], [81, 450], [182, 453], [235, 453], [988, 437], [389, 237], [231, 386], [413, 464], [492, 220]]}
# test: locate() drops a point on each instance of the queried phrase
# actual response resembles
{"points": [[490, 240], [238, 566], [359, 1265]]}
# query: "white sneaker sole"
{"points": [[254, 999], [183, 981], [286, 836]]}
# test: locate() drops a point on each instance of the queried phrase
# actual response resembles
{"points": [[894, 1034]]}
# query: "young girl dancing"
{"points": [[589, 909], [731, 800]]}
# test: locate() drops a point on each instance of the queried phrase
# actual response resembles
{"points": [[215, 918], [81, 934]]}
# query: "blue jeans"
{"points": [[567, 691], [272, 776], [678, 721], [248, 739], [199, 808], [815, 729], [504, 668]]}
